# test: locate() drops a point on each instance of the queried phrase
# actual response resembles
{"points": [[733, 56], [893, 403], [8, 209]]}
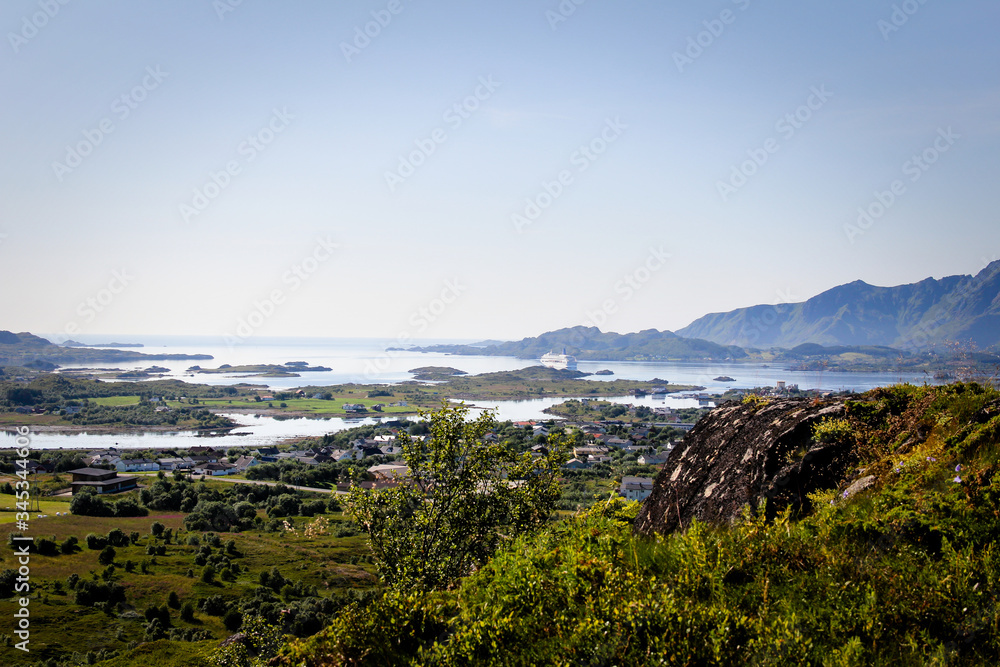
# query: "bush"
{"points": [[8, 579], [832, 430], [107, 555], [96, 542], [173, 601], [232, 619], [118, 538], [69, 545], [214, 605], [187, 612], [46, 546], [87, 503], [208, 574]]}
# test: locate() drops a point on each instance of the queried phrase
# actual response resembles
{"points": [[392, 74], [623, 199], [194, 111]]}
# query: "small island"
{"points": [[435, 373], [724, 378], [76, 343], [291, 369]]}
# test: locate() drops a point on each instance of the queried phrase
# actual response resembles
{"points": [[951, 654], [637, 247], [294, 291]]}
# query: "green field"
{"points": [[8, 510], [60, 627], [306, 405], [116, 400]]}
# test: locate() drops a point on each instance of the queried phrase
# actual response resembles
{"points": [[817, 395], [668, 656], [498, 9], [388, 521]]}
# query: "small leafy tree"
{"points": [[107, 555], [464, 497], [261, 642]]}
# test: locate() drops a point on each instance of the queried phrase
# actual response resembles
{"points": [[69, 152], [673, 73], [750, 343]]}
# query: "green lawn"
{"points": [[8, 510], [116, 400]]}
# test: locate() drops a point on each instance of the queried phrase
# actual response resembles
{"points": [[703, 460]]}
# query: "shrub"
{"points": [[187, 612], [107, 555], [232, 619], [96, 542], [118, 538], [46, 546], [214, 605], [8, 579], [69, 545], [832, 430], [208, 574]]}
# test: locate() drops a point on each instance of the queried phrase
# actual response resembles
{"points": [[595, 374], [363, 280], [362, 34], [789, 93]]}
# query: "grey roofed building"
{"points": [[104, 481]]}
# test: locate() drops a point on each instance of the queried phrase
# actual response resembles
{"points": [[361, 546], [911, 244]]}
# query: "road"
{"points": [[223, 478]]}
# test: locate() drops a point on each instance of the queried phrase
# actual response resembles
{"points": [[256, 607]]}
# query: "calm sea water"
{"points": [[365, 361]]}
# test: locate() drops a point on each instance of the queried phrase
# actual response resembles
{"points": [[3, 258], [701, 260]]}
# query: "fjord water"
{"points": [[367, 361]]}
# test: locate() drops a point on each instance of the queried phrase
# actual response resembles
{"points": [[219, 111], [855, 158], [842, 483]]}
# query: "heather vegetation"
{"points": [[903, 572]]}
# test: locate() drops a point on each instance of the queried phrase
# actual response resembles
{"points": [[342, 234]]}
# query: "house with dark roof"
{"points": [[104, 481]]}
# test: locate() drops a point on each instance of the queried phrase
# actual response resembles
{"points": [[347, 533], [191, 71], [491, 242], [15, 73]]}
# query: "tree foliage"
{"points": [[464, 497]]}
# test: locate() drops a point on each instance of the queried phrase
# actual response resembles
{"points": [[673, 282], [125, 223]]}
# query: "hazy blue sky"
{"points": [[177, 167]]}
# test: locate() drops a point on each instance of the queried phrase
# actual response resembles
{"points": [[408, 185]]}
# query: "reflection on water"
{"points": [[368, 361]]}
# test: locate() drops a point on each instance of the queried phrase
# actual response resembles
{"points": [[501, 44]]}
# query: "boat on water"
{"points": [[559, 361]]}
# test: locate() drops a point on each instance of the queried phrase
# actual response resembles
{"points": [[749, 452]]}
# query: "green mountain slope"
{"points": [[901, 569]]}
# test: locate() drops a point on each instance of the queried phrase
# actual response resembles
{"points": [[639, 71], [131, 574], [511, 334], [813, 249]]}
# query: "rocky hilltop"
{"points": [[741, 453]]}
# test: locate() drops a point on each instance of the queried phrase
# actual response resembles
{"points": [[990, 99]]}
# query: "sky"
{"points": [[496, 169]]}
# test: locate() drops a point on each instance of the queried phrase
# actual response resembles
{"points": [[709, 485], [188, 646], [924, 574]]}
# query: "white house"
{"points": [[652, 459], [214, 469], [636, 488], [176, 463], [136, 465], [245, 462]]}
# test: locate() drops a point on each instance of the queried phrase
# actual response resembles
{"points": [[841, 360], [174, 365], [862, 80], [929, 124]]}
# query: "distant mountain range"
{"points": [[910, 317], [31, 351], [590, 343]]}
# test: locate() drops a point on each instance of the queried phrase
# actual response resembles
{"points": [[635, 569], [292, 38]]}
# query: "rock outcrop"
{"points": [[740, 454]]}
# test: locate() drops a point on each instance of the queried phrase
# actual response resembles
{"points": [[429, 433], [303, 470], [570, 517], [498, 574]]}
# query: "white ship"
{"points": [[559, 361]]}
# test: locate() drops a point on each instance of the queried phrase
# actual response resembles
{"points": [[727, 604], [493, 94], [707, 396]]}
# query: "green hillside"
{"points": [[905, 572]]}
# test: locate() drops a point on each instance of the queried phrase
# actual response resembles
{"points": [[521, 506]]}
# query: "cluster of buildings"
{"points": [[198, 461]]}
